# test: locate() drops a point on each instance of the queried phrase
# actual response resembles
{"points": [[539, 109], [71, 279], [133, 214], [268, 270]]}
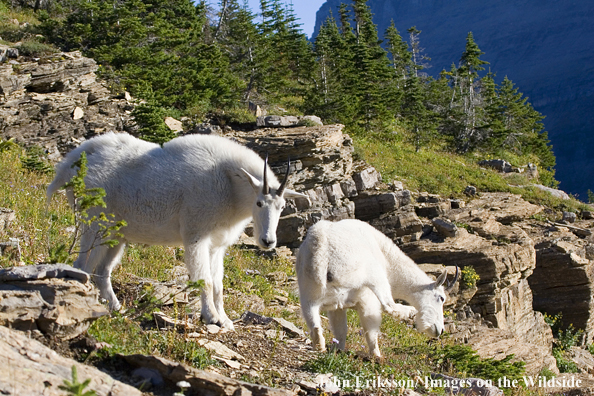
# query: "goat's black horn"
{"points": [[281, 189], [265, 189], [450, 286]]}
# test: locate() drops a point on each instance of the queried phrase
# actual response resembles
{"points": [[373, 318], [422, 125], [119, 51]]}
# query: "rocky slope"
{"points": [[543, 46], [524, 264], [56, 101]]}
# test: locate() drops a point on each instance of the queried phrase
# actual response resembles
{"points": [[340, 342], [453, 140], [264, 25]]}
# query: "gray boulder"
{"points": [[54, 298], [497, 164], [33, 369]]}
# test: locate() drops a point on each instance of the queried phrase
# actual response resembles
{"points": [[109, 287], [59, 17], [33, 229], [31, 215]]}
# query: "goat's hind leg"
{"points": [[311, 314], [99, 261], [339, 326], [102, 275], [370, 316]]}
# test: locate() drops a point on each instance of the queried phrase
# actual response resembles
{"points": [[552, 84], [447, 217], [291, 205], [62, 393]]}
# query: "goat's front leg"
{"points": [[198, 262], [311, 314], [383, 291], [217, 271], [404, 312]]}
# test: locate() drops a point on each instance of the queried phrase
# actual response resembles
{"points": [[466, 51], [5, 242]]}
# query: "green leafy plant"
{"points": [[469, 276], [34, 161], [150, 119], [6, 145], [564, 340], [75, 388], [58, 254], [35, 48], [464, 359]]}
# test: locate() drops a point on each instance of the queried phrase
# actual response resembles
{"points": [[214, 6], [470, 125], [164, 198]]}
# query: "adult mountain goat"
{"points": [[350, 264], [199, 191]]}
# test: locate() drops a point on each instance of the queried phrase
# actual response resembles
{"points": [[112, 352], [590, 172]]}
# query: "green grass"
{"points": [[11, 32], [126, 336], [445, 173], [24, 192]]}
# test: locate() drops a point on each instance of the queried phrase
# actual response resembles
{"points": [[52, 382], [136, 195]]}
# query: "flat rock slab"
{"points": [[221, 350], [42, 271], [54, 298], [201, 382], [31, 368]]}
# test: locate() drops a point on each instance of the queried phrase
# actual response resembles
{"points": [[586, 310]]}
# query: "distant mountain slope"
{"points": [[545, 46]]}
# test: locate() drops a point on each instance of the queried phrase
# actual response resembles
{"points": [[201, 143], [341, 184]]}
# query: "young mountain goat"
{"points": [[350, 264], [196, 190]]}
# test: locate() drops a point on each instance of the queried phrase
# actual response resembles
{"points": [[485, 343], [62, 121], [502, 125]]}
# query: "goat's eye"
{"points": [[441, 298], [259, 203]]}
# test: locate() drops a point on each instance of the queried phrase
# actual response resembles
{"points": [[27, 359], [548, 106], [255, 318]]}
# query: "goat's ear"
{"points": [[442, 278], [288, 193], [256, 184]]}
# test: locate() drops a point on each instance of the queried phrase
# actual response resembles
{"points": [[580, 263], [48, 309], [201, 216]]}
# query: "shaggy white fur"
{"points": [[350, 264], [196, 190]]}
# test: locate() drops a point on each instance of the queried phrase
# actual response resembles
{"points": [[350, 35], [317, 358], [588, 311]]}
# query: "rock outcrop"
{"points": [[31, 368], [503, 296], [322, 167], [321, 164], [56, 102], [502, 254], [563, 279], [56, 299]]}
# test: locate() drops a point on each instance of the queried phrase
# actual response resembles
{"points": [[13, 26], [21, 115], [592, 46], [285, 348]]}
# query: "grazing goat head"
{"points": [[429, 319]]}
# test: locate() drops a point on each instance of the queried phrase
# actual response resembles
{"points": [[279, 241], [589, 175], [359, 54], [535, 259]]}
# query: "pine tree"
{"points": [[372, 66], [417, 115], [419, 59], [496, 134], [326, 97], [469, 136], [398, 51], [240, 42], [158, 50]]}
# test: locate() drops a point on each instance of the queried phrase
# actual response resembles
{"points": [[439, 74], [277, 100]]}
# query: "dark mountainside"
{"points": [[545, 47]]}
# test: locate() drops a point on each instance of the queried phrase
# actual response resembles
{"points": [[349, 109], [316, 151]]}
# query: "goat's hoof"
{"points": [[114, 306], [227, 324]]}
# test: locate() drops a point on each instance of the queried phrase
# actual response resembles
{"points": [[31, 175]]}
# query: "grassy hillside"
{"points": [[438, 171]]}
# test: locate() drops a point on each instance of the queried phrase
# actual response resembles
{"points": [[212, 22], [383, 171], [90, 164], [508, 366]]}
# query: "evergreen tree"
{"points": [[470, 136], [398, 51], [328, 97], [419, 59], [156, 49], [495, 134], [417, 115], [523, 125], [240, 42], [371, 63]]}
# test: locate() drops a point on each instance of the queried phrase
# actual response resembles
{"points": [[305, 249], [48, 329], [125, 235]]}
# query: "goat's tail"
{"points": [[64, 173]]}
